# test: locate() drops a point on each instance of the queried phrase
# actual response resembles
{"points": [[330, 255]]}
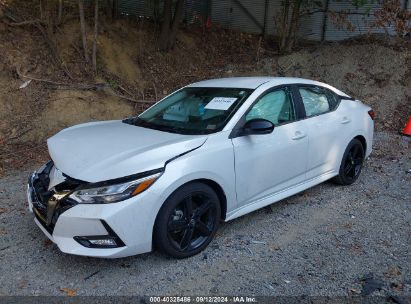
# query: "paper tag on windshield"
{"points": [[220, 103]]}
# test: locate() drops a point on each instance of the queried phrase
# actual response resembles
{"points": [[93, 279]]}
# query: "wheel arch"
{"points": [[218, 189], [220, 193], [213, 185], [363, 141]]}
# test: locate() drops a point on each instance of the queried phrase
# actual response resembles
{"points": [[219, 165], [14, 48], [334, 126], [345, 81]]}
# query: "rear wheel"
{"points": [[351, 164], [188, 220]]}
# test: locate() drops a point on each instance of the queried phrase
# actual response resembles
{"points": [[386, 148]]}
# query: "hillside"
{"points": [[377, 72]]}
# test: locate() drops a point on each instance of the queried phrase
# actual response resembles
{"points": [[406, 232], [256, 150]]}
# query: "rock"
{"points": [[258, 242], [270, 286]]}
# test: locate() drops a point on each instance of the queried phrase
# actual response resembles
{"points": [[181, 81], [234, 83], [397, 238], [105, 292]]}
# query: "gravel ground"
{"points": [[329, 240]]}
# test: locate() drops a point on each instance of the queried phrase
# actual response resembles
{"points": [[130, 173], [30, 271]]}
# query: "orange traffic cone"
{"points": [[407, 129]]}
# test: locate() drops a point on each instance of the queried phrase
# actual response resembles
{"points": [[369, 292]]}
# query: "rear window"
{"points": [[318, 100]]}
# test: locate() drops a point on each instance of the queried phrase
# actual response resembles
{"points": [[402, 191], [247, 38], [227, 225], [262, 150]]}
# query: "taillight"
{"points": [[372, 114]]}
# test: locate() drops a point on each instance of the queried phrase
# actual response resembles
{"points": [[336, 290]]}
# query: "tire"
{"points": [[182, 231], [351, 163]]}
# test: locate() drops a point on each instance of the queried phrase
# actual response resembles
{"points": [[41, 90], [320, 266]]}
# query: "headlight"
{"points": [[113, 193]]}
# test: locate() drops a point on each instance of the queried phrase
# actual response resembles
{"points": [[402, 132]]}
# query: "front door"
{"points": [[266, 164]]}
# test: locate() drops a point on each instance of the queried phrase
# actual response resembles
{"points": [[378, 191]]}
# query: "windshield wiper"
{"points": [[171, 129]]}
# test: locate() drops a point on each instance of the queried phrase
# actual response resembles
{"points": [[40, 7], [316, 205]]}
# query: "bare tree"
{"points": [[94, 56], [83, 29], [287, 24], [60, 12], [109, 9], [41, 9], [288, 19], [170, 23]]}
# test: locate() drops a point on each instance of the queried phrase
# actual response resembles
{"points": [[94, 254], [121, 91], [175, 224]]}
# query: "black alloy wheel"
{"points": [[352, 163], [188, 220]]}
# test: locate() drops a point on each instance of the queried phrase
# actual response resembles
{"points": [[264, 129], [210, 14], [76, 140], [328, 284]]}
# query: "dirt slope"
{"points": [[375, 72]]}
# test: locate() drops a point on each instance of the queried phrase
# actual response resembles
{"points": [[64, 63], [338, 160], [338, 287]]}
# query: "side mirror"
{"points": [[257, 126]]}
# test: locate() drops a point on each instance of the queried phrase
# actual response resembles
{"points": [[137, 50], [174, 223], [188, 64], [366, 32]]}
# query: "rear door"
{"points": [[265, 164], [326, 128]]}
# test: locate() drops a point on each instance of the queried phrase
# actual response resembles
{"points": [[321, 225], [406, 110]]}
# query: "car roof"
{"points": [[255, 82]]}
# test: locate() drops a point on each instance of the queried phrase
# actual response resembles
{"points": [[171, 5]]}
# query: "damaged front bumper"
{"points": [[85, 229]]}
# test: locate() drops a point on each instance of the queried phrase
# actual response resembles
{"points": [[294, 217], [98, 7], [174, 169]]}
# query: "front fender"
{"points": [[213, 161]]}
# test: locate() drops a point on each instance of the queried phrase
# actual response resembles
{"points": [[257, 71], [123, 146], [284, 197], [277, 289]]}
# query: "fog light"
{"points": [[103, 242], [99, 241], [112, 240]]}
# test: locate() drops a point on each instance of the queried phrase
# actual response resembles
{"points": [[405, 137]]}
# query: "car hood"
{"points": [[101, 151]]}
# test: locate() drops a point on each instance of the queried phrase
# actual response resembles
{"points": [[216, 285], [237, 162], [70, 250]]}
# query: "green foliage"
{"points": [[361, 3], [366, 4], [113, 84]]}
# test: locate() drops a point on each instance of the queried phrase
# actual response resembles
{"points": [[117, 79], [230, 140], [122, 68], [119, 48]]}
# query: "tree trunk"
{"points": [[284, 25], [83, 29], [41, 10], [49, 17], [165, 26], [60, 12], [169, 26], [178, 14], [110, 10], [295, 16], [95, 36], [289, 25]]}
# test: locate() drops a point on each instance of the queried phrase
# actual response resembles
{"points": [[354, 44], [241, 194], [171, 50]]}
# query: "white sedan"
{"points": [[211, 151]]}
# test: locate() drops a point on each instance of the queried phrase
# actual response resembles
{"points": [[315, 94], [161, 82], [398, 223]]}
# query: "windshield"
{"points": [[193, 110]]}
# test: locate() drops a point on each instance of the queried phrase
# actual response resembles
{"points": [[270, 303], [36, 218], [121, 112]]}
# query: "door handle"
{"points": [[298, 135], [345, 120]]}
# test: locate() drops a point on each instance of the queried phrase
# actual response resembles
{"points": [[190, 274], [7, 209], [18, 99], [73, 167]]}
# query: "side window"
{"points": [[333, 99], [315, 100], [275, 106]]}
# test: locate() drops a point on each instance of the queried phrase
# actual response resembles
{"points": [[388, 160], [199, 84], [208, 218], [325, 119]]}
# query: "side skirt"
{"points": [[273, 198]]}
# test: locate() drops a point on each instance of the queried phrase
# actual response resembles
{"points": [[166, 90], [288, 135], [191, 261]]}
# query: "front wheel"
{"points": [[351, 164], [188, 220]]}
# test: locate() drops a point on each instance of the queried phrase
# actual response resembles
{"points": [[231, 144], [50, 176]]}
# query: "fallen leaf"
{"points": [[3, 210], [69, 292], [275, 248], [398, 287], [47, 243], [392, 272], [355, 290], [22, 284], [227, 241], [348, 225]]}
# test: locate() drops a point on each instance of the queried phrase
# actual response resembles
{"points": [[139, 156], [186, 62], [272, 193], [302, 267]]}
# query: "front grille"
{"points": [[43, 198], [38, 184]]}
